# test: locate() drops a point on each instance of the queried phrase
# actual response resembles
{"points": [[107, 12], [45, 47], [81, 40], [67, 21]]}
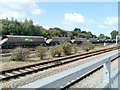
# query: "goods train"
{"points": [[12, 41]]}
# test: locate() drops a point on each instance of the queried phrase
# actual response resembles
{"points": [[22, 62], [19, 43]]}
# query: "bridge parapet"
{"points": [[60, 79]]}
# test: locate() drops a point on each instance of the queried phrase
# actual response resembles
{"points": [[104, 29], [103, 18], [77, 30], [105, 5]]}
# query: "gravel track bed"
{"points": [[13, 83], [95, 79], [14, 64]]}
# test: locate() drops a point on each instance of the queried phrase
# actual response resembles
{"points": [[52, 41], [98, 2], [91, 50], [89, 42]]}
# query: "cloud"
{"points": [[37, 11], [102, 27], [109, 23], [73, 18], [91, 21], [111, 20], [35, 23], [19, 9]]}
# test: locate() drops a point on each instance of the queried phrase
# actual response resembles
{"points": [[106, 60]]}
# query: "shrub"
{"points": [[20, 54], [67, 47], [87, 45], [53, 53], [41, 51], [75, 48], [57, 50]]}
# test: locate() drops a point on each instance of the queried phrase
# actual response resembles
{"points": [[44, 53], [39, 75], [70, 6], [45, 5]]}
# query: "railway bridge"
{"points": [[63, 80]]}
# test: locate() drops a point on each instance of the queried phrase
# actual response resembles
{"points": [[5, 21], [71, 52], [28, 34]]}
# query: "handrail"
{"points": [[60, 79]]}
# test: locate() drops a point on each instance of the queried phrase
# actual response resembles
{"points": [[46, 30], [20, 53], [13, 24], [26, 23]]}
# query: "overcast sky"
{"points": [[97, 17]]}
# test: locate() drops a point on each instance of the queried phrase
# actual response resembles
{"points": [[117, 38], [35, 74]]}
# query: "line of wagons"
{"points": [[12, 41]]}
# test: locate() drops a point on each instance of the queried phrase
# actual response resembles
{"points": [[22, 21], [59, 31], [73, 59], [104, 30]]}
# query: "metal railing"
{"points": [[60, 79]]}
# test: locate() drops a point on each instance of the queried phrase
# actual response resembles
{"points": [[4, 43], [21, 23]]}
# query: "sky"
{"points": [[97, 17]]}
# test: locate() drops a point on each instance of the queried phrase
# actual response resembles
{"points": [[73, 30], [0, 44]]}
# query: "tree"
{"points": [[5, 29], [113, 34], [69, 34], [84, 32], [101, 36], [107, 37], [88, 35], [77, 29], [94, 36], [81, 35], [26, 27]]}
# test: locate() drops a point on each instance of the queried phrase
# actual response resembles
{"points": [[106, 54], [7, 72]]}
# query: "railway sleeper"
{"points": [[16, 72], [3, 76], [9, 74], [28, 69]]}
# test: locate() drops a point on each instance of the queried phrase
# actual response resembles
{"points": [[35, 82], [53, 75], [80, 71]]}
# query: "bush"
{"points": [[57, 50], [87, 45], [67, 47], [53, 53], [20, 54], [75, 48], [41, 51]]}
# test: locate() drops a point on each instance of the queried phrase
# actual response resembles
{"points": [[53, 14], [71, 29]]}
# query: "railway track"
{"points": [[21, 71]]}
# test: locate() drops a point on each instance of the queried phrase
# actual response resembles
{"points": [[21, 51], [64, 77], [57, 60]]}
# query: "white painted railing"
{"points": [[60, 79]]}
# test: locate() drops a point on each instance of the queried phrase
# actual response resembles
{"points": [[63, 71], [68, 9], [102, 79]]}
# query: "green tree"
{"points": [[101, 36], [94, 36], [80, 35], [77, 29], [5, 29], [88, 35], [107, 37], [113, 34], [26, 27], [84, 32]]}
